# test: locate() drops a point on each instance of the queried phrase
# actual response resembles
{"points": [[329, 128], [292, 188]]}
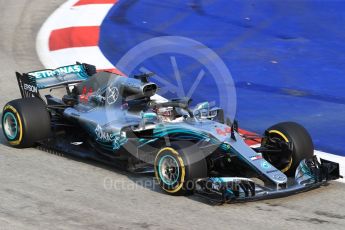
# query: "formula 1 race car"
{"points": [[121, 121]]}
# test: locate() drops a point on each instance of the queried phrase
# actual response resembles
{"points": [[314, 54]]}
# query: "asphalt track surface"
{"points": [[39, 190]]}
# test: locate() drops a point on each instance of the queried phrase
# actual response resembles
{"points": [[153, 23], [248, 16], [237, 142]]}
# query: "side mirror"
{"points": [[213, 113], [147, 118], [201, 110]]}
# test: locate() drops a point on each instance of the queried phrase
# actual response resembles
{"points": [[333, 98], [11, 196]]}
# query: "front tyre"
{"points": [[176, 169], [294, 143], [25, 121]]}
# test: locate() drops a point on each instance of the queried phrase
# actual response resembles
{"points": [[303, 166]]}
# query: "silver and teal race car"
{"points": [[123, 122]]}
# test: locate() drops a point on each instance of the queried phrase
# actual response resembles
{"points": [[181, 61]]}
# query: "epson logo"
{"points": [[30, 88]]}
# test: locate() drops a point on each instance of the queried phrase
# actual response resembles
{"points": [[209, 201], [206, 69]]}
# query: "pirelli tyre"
{"points": [[25, 121], [177, 168], [294, 142]]}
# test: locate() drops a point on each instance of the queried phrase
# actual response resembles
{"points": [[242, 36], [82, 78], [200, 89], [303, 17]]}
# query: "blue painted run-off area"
{"points": [[287, 58]]}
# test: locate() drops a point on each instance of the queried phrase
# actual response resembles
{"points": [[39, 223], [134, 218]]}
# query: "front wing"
{"points": [[310, 174]]}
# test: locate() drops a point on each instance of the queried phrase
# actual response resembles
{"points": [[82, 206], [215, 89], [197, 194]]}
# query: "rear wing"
{"points": [[30, 83], [27, 85]]}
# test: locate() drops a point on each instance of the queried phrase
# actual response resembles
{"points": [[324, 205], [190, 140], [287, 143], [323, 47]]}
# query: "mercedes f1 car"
{"points": [[120, 121]]}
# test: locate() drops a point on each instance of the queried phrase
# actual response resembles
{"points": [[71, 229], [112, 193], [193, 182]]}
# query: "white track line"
{"points": [[91, 54], [84, 15], [68, 15]]}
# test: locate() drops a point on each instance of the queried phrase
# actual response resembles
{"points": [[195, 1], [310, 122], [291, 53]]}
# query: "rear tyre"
{"points": [[177, 168], [25, 121], [295, 144]]}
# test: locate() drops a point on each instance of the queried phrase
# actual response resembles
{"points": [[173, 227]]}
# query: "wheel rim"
{"points": [[10, 125], [168, 169], [283, 161]]}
